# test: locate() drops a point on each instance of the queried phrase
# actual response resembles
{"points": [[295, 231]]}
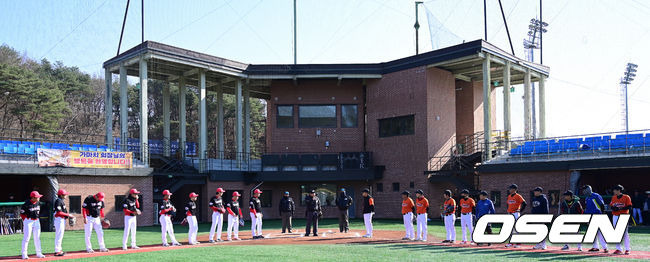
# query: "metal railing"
{"points": [[596, 145]]}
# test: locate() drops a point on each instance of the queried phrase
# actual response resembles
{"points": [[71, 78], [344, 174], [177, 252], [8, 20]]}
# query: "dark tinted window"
{"points": [[495, 196], [285, 116], [266, 198], [395, 187], [74, 205], [380, 187], [397, 126], [118, 203], [316, 116], [349, 116]]}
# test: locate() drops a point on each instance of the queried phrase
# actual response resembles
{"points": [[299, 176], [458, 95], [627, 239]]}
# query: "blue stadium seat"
{"points": [[10, 150], [30, 151]]}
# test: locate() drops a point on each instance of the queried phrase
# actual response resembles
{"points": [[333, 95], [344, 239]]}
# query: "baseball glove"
{"points": [[241, 222], [72, 221], [106, 223]]}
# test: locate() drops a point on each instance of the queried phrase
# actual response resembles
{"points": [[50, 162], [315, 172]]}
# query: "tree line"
{"points": [[41, 100]]}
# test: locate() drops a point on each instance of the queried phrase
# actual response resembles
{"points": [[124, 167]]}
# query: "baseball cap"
{"points": [[513, 186], [406, 193], [312, 191], [100, 196], [568, 193], [220, 190], [484, 193], [448, 192], [618, 187], [286, 192], [464, 191], [366, 190], [236, 194], [193, 195], [257, 191], [62, 192], [166, 193], [539, 189], [342, 189], [419, 191], [134, 191], [35, 194]]}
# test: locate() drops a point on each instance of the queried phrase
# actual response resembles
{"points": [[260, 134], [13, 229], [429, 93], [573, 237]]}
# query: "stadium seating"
{"points": [[618, 143]]}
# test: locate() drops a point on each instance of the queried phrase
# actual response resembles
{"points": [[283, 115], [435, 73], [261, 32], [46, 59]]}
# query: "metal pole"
{"points": [[295, 33], [417, 28], [507, 31], [142, 22], [485, 19], [123, 23], [627, 127], [541, 24]]}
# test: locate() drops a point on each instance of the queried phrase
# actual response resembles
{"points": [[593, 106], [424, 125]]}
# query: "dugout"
{"points": [[602, 180], [16, 190]]}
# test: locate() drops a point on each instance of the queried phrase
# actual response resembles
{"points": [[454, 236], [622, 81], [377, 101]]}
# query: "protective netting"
{"points": [[440, 35]]}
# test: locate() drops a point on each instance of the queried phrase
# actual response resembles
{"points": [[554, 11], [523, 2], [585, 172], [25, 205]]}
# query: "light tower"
{"points": [[628, 77], [535, 31], [417, 28]]}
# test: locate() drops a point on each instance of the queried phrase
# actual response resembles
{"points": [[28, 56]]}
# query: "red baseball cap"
{"points": [[134, 191], [35, 194], [100, 196], [236, 194], [257, 191], [193, 195], [62, 192], [166, 193], [220, 190]]}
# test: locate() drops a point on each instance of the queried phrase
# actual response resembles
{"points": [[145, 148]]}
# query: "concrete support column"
{"points": [[166, 121], [507, 127], [542, 107], [528, 134], [487, 115], [247, 120], [220, 140], [108, 108], [124, 109], [144, 113], [203, 125], [182, 122], [238, 120]]}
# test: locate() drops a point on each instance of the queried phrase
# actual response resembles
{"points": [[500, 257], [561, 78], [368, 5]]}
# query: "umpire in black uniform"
{"points": [[313, 212], [287, 207]]}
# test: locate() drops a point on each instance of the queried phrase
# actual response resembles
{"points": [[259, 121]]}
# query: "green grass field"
{"points": [[73, 240]]}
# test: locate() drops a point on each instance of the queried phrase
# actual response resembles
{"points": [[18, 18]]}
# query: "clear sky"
{"points": [[587, 45]]}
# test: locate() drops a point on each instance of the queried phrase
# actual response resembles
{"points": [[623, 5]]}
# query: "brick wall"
{"points": [[551, 180], [315, 92], [111, 186]]}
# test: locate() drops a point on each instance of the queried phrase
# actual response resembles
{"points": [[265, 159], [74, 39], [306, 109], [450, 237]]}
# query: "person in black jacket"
{"points": [[637, 205], [343, 202], [539, 206], [571, 205], [313, 212], [287, 207]]}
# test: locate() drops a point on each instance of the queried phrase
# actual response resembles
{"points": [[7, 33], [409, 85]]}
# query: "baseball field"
{"points": [[330, 246]]}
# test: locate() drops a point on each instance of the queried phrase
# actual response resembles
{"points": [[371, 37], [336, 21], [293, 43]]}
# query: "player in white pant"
{"points": [[449, 215], [93, 212], [467, 205], [30, 213], [368, 211], [621, 205], [217, 206], [234, 214], [166, 212], [421, 209], [407, 214], [131, 208], [255, 206], [60, 216], [190, 215]]}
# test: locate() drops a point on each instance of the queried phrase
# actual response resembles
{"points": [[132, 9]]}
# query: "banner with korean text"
{"points": [[88, 159]]}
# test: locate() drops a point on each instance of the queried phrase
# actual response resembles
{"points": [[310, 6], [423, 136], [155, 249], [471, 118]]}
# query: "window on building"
{"points": [[310, 116], [395, 187], [495, 196], [266, 198], [554, 198], [74, 204], [380, 187], [349, 116], [119, 199], [325, 192], [397, 126], [284, 117], [412, 184]]}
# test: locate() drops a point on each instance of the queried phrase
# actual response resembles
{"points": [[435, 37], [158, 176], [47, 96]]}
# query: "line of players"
{"points": [[594, 204]]}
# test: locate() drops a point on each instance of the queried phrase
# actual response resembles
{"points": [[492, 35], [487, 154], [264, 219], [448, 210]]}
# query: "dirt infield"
{"points": [[326, 236]]}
